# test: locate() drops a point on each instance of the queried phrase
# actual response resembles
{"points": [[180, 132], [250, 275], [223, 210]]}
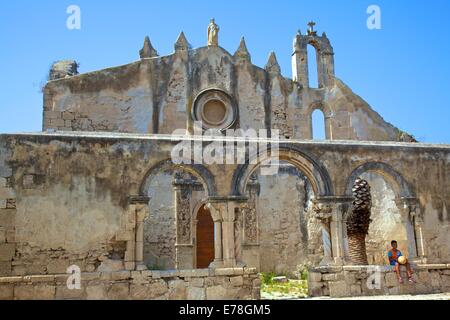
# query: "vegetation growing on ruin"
{"points": [[291, 289]]}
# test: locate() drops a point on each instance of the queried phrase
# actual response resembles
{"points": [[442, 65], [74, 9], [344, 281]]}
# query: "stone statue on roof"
{"points": [[213, 34]]}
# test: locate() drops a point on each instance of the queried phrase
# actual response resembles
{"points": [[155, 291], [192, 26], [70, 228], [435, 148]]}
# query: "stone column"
{"points": [[223, 213], [229, 255], [331, 211], [407, 208], [323, 213], [413, 217], [184, 249], [339, 229], [142, 212], [417, 217], [216, 215], [139, 204]]}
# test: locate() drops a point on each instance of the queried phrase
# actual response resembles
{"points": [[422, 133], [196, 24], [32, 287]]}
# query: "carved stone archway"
{"points": [[406, 202], [187, 181]]}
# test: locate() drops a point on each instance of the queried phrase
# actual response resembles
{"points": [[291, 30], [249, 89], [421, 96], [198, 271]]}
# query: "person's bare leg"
{"points": [[397, 271], [409, 270]]}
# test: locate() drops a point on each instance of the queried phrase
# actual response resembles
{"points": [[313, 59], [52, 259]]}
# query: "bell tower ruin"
{"points": [[325, 58]]}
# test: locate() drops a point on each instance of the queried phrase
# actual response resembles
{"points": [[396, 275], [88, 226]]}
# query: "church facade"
{"points": [[99, 188]]}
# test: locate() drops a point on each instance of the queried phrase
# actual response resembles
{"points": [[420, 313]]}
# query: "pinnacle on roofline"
{"points": [[147, 50], [272, 65], [242, 51], [182, 43]]}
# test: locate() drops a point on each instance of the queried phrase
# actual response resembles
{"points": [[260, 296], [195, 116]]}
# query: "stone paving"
{"points": [[440, 296]]}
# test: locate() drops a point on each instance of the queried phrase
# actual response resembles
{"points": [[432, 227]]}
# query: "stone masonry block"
{"points": [[7, 251], [224, 272], [68, 116], [194, 273], [194, 293], [355, 290], [391, 280], [39, 278], [119, 291], [197, 282], [5, 268], [6, 292], [435, 280], [97, 292], [7, 216], [237, 281], [90, 276], [10, 235], [64, 293], [121, 275], [216, 293], [34, 292], [314, 277], [57, 122], [52, 114], [330, 277], [339, 289], [177, 290], [2, 235], [7, 193]]}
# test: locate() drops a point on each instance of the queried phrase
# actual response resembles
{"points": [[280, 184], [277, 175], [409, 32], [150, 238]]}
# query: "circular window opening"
{"points": [[214, 112]]}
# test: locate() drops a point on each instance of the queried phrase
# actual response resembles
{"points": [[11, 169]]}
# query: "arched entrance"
{"points": [[286, 232], [393, 208], [169, 232], [204, 238]]}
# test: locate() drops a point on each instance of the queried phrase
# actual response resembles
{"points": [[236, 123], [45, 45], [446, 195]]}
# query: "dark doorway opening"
{"points": [[205, 238]]}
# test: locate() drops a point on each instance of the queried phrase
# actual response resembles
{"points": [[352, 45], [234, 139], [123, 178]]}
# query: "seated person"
{"points": [[393, 256]]}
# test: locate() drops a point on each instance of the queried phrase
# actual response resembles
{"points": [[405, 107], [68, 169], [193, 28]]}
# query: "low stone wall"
{"points": [[203, 284], [350, 281]]}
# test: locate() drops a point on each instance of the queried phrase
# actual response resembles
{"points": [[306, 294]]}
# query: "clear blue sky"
{"points": [[402, 70]]}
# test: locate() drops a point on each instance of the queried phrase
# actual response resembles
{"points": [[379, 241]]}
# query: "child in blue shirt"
{"points": [[393, 256]]}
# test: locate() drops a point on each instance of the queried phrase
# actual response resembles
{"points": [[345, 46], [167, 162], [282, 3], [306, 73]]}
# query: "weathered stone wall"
{"points": [[286, 229], [7, 213], [227, 284], [353, 281], [160, 228], [64, 198], [158, 94]]}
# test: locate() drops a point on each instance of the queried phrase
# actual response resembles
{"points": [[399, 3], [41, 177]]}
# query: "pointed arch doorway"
{"points": [[204, 238]]}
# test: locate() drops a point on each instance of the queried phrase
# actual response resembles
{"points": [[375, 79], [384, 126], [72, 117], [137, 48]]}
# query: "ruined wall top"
{"points": [[160, 94]]}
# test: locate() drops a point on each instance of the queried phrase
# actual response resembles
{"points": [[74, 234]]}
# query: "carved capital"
{"points": [[139, 205], [138, 199], [322, 211], [410, 209], [142, 211], [216, 211]]}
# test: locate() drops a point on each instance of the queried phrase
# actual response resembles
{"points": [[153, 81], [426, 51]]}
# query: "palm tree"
{"points": [[358, 221]]}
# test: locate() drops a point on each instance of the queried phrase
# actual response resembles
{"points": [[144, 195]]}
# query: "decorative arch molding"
{"points": [[315, 171], [198, 170], [406, 201], [322, 106], [402, 188]]}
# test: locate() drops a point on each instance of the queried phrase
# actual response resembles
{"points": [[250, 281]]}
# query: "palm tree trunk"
{"points": [[357, 249]]}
